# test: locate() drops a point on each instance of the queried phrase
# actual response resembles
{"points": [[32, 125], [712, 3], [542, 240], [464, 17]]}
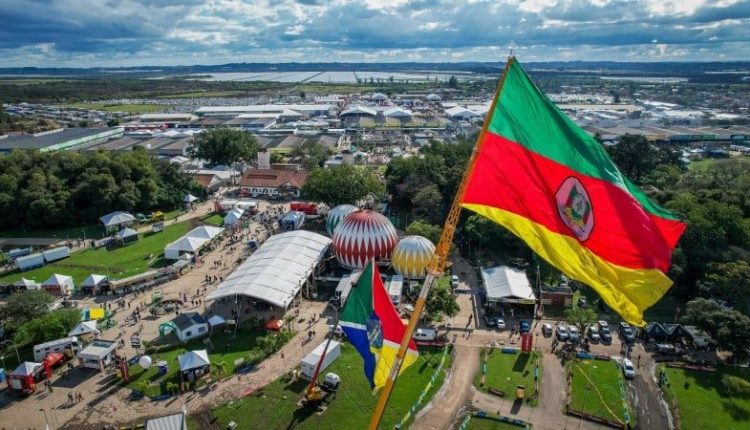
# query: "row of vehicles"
{"points": [[595, 333]]}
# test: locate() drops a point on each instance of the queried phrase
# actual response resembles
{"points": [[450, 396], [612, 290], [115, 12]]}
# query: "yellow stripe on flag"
{"points": [[627, 291], [386, 356]]}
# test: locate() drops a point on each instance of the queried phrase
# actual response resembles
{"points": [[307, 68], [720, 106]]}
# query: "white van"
{"points": [[425, 334], [59, 345], [396, 288]]}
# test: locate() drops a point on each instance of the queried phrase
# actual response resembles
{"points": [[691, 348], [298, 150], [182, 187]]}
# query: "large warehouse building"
{"points": [[267, 283], [59, 139]]}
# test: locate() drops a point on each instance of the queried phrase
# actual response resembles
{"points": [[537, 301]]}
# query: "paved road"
{"points": [[647, 402]]}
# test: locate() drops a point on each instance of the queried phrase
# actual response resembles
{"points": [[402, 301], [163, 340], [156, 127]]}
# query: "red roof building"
{"points": [[276, 181]]}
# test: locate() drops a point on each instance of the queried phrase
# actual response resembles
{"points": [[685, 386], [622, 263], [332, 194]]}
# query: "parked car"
{"points": [[524, 326], [593, 333], [627, 369], [561, 332], [490, 320], [669, 349], [627, 333], [500, 323], [546, 330], [583, 302], [573, 333], [454, 281], [604, 332]]}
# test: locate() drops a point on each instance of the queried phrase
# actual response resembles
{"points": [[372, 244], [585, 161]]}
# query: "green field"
{"points": [[119, 263], [700, 165], [506, 371], [30, 81], [351, 407], [478, 423], [206, 93], [602, 398], [702, 401], [223, 348], [126, 108], [91, 231], [214, 219]]}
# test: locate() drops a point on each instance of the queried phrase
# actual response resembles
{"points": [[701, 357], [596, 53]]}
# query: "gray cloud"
{"points": [[96, 32]]}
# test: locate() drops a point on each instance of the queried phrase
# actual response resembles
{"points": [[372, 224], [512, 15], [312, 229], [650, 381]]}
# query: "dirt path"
{"points": [[456, 394]]}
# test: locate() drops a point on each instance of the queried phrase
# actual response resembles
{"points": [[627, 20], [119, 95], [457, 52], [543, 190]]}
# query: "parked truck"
{"points": [[30, 261], [310, 361]]}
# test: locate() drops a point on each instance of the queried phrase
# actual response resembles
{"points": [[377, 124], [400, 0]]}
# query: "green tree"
{"points": [[225, 146], [51, 325], [726, 326], [634, 155], [113, 122], [441, 302], [452, 82], [427, 203], [343, 184], [424, 229], [20, 308], [310, 154], [580, 317], [736, 386], [728, 281]]}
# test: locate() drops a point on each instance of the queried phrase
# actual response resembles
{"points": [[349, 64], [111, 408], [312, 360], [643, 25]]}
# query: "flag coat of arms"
{"points": [[373, 326], [553, 185]]}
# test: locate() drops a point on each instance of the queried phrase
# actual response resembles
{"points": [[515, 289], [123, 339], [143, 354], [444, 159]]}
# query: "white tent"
{"points": [[84, 328], [216, 320], [233, 216], [397, 112], [127, 232], [28, 284], [359, 110], [205, 232], [93, 281], [189, 198], [504, 284], [27, 368], [193, 360], [116, 219], [174, 250], [58, 284]]}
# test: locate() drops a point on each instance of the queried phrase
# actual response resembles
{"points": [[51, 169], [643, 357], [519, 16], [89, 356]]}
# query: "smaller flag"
{"points": [[373, 326]]}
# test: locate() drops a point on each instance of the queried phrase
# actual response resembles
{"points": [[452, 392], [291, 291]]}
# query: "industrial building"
{"points": [[60, 139]]}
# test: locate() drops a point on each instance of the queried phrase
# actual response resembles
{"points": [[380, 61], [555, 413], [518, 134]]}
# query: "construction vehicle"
{"points": [[157, 216]]}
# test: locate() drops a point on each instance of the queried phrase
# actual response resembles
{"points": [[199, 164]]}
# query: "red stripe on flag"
{"points": [[510, 177]]}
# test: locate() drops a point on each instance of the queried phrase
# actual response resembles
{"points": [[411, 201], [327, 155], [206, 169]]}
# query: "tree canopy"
{"points": [[225, 146], [50, 326], [424, 229], [727, 326], [20, 308], [311, 154], [55, 189], [342, 184]]}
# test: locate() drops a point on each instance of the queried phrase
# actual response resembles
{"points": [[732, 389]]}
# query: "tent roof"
{"points": [[27, 368], [189, 198], [276, 271], [85, 327], [116, 218], [187, 244], [204, 232], [26, 283], [169, 422], [194, 360], [127, 232], [359, 110], [398, 112], [59, 280], [93, 280], [216, 320], [503, 282]]}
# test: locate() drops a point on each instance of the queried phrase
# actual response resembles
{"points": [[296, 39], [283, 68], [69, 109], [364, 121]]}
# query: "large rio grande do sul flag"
{"points": [[373, 326], [550, 183]]}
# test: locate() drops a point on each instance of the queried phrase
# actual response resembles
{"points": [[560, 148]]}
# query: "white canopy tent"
{"points": [[192, 242], [29, 284], [189, 198], [58, 284], [276, 271], [193, 360], [205, 232], [233, 217], [117, 219], [507, 285], [216, 320], [83, 328]]}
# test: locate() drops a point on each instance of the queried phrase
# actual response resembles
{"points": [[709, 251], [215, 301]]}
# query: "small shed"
{"points": [[194, 365], [98, 355], [215, 321], [58, 285], [85, 329], [190, 325], [94, 283], [116, 220], [233, 217], [27, 284], [127, 235]]}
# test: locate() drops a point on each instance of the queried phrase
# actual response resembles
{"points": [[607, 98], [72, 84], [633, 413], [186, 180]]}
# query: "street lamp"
{"points": [[18, 357]]}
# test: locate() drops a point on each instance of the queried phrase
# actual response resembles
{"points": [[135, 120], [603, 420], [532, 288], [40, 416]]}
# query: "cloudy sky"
{"points": [[82, 33]]}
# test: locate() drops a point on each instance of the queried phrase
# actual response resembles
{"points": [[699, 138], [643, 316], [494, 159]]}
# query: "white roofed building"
{"points": [[506, 285], [277, 271]]}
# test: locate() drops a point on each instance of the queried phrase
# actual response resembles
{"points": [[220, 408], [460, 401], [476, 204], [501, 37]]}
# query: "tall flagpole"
{"points": [[439, 259]]}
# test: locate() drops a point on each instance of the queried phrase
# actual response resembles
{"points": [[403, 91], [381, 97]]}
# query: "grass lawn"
{"points": [[91, 231], [702, 401], [223, 349], [127, 108], [276, 406], [119, 263], [603, 397], [478, 423], [505, 371], [215, 219]]}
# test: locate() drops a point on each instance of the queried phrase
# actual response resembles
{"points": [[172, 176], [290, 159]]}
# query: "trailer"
{"points": [[292, 221], [344, 286], [68, 346], [30, 261], [310, 209], [396, 288], [310, 361], [55, 254], [18, 252]]}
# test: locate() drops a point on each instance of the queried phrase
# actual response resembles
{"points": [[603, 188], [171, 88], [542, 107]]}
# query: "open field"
{"points": [[703, 402], [602, 398], [350, 407], [127, 108], [506, 371], [119, 263], [223, 348]]}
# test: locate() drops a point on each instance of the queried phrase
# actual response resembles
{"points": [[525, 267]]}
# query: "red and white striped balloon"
{"points": [[363, 235]]}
